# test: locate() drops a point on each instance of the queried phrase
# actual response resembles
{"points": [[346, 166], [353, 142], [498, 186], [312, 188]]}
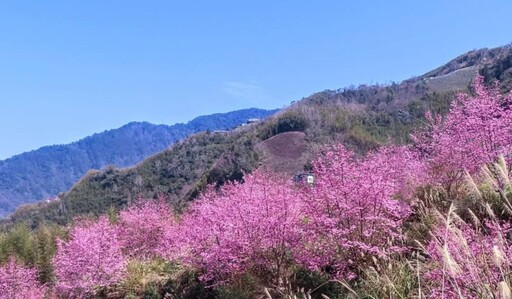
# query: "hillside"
{"points": [[362, 118], [50, 170]]}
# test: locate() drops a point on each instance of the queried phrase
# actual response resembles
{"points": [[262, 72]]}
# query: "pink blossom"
{"points": [[92, 259], [476, 130], [250, 226], [467, 261], [353, 212], [18, 282], [142, 226]]}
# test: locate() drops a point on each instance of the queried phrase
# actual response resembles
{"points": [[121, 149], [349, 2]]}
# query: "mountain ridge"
{"points": [[50, 170]]}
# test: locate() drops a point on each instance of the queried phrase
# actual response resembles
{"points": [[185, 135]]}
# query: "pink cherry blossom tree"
{"points": [[141, 227], [92, 259], [353, 211], [245, 227], [476, 130], [18, 282]]}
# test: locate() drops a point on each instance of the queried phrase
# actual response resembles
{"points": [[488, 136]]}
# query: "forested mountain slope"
{"points": [[50, 170]]}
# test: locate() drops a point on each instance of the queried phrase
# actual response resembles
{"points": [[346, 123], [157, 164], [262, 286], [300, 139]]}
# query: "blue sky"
{"points": [[72, 68]]}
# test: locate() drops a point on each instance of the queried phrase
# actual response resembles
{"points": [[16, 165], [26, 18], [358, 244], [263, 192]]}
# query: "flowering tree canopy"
{"points": [[476, 130], [248, 226], [142, 226], [90, 260], [352, 213], [18, 282]]}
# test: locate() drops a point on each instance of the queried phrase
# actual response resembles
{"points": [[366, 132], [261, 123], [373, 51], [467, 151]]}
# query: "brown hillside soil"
{"points": [[284, 153]]}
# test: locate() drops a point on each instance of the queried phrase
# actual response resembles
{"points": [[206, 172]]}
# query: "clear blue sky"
{"points": [[72, 68]]}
